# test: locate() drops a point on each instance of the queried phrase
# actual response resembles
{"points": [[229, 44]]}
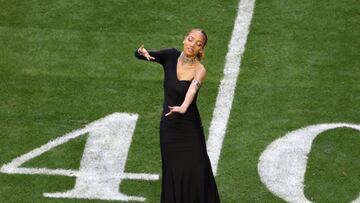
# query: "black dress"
{"points": [[186, 170]]}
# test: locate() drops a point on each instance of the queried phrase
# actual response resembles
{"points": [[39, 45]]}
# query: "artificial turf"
{"points": [[65, 63]]}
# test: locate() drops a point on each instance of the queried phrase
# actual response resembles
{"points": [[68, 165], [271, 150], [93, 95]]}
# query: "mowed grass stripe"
{"points": [[65, 64], [300, 68]]}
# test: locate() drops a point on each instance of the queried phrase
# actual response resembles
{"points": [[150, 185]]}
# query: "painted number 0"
{"points": [[282, 165], [103, 163]]}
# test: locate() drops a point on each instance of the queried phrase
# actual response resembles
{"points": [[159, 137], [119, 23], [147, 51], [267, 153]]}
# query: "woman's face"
{"points": [[193, 43]]}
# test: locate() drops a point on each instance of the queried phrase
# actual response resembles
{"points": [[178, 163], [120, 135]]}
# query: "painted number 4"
{"points": [[102, 165]]}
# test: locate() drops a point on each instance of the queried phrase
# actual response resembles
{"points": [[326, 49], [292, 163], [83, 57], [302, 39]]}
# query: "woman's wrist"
{"points": [[183, 109]]}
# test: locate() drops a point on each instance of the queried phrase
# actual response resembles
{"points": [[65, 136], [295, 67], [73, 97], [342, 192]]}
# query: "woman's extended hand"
{"points": [[145, 53], [175, 109]]}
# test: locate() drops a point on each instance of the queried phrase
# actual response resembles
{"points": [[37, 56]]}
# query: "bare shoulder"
{"points": [[200, 69], [200, 72]]}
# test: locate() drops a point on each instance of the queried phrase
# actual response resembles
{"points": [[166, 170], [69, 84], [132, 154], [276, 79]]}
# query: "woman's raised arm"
{"points": [[157, 56]]}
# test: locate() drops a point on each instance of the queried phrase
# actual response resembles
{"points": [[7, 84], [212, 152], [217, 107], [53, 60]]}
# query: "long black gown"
{"points": [[186, 170]]}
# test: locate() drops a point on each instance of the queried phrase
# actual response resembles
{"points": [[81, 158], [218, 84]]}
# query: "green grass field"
{"points": [[64, 64]]}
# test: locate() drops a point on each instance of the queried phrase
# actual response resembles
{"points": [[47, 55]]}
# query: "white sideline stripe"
{"points": [[282, 165], [227, 86]]}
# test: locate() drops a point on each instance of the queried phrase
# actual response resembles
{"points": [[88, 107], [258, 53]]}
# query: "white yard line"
{"points": [[227, 86]]}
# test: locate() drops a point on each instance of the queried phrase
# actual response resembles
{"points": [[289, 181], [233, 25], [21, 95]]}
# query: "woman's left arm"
{"points": [[190, 94]]}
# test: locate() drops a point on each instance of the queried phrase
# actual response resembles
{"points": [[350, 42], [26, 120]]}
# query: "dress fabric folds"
{"points": [[187, 176]]}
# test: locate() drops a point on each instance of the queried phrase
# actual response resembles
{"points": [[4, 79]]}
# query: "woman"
{"points": [[186, 170]]}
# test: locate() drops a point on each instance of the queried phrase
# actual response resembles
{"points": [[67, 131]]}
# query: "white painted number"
{"points": [[102, 166], [103, 163], [282, 165]]}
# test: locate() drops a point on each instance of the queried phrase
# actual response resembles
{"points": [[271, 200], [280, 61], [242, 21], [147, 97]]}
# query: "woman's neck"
{"points": [[188, 59]]}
